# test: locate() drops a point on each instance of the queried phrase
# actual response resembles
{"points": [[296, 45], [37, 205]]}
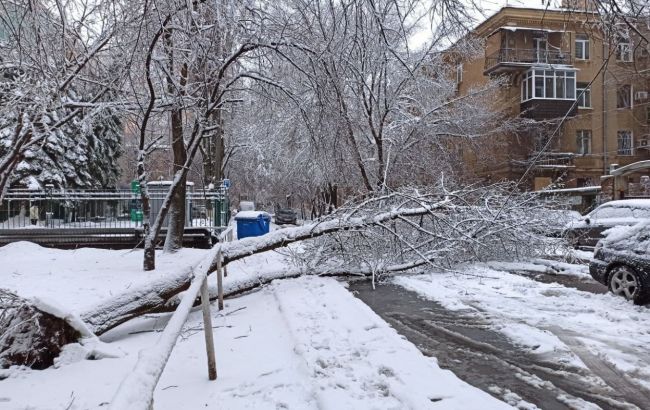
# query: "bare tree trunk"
{"points": [[213, 150], [150, 236], [149, 262], [176, 225], [177, 211]]}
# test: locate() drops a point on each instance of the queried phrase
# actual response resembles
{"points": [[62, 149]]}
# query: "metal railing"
{"points": [[104, 209], [137, 389], [527, 56], [548, 160]]}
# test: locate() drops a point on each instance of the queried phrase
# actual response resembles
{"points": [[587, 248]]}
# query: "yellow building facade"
{"points": [[583, 88]]}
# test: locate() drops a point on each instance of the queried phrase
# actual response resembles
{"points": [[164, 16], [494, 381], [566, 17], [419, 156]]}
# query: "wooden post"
{"points": [[207, 328], [228, 239], [219, 279]]}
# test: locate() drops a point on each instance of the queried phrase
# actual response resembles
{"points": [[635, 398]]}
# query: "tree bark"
{"points": [[213, 150], [177, 211]]}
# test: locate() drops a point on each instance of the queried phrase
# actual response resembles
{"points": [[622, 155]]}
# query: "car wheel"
{"points": [[625, 281]]}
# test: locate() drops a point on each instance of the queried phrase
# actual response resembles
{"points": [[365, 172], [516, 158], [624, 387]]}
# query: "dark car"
{"points": [[587, 231], [286, 216], [622, 262]]}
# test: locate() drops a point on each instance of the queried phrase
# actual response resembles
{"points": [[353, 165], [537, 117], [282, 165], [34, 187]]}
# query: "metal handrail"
{"points": [[137, 389]]}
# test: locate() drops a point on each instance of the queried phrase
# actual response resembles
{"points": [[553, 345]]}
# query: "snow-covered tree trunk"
{"points": [[149, 262]]}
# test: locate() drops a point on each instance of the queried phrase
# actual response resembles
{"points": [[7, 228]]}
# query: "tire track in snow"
{"points": [[465, 344]]}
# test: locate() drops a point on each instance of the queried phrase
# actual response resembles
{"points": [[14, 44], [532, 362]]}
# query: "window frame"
{"points": [[584, 96], [625, 151], [530, 84], [581, 137], [541, 54], [624, 49], [630, 97], [583, 39]]}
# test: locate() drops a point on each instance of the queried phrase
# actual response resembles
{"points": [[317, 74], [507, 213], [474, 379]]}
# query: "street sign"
{"points": [[135, 186], [226, 183]]}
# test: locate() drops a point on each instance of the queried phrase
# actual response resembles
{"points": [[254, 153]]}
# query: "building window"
{"points": [[459, 73], [624, 49], [583, 141], [624, 96], [548, 84], [625, 146], [541, 49], [582, 47], [583, 94]]}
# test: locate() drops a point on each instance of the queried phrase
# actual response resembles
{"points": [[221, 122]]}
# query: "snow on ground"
{"points": [[558, 323], [80, 278], [550, 267], [303, 343]]}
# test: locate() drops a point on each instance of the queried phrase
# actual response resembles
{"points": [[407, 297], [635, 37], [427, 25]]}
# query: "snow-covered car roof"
{"points": [[628, 203]]}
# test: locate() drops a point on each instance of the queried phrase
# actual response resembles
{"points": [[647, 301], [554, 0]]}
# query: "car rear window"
{"points": [[611, 212]]}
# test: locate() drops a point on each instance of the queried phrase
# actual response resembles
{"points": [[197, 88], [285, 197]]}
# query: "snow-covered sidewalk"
{"points": [[302, 343]]}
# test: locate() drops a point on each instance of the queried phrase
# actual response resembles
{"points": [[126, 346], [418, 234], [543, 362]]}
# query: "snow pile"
{"points": [[77, 279]]}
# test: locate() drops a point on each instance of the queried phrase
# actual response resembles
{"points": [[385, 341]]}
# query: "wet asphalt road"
{"points": [[465, 344]]}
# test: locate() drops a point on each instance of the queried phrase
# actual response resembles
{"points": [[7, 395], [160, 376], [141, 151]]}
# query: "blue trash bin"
{"points": [[252, 223]]}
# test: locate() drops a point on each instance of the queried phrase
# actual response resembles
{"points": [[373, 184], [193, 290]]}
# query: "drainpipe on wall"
{"points": [[605, 166]]}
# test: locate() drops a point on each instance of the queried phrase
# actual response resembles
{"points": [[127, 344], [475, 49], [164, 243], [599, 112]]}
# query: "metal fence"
{"points": [[104, 209]]}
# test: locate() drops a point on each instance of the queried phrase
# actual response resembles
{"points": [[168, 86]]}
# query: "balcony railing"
{"points": [[526, 57], [547, 160]]}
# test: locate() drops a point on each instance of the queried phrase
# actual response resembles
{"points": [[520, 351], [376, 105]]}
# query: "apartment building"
{"points": [[583, 89]]}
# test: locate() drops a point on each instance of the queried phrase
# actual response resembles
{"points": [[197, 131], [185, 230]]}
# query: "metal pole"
{"points": [[228, 238], [219, 279], [207, 329]]}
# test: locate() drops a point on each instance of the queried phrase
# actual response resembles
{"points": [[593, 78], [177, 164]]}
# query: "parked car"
{"points": [[622, 262], [246, 206], [286, 216], [588, 230]]}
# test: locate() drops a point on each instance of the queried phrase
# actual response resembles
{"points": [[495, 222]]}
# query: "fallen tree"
{"points": [[153, 296], [396, 232]]}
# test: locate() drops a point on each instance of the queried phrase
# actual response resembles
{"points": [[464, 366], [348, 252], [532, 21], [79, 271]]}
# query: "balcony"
{"points": [[516, 59], [544, 110], [547, 161]]}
